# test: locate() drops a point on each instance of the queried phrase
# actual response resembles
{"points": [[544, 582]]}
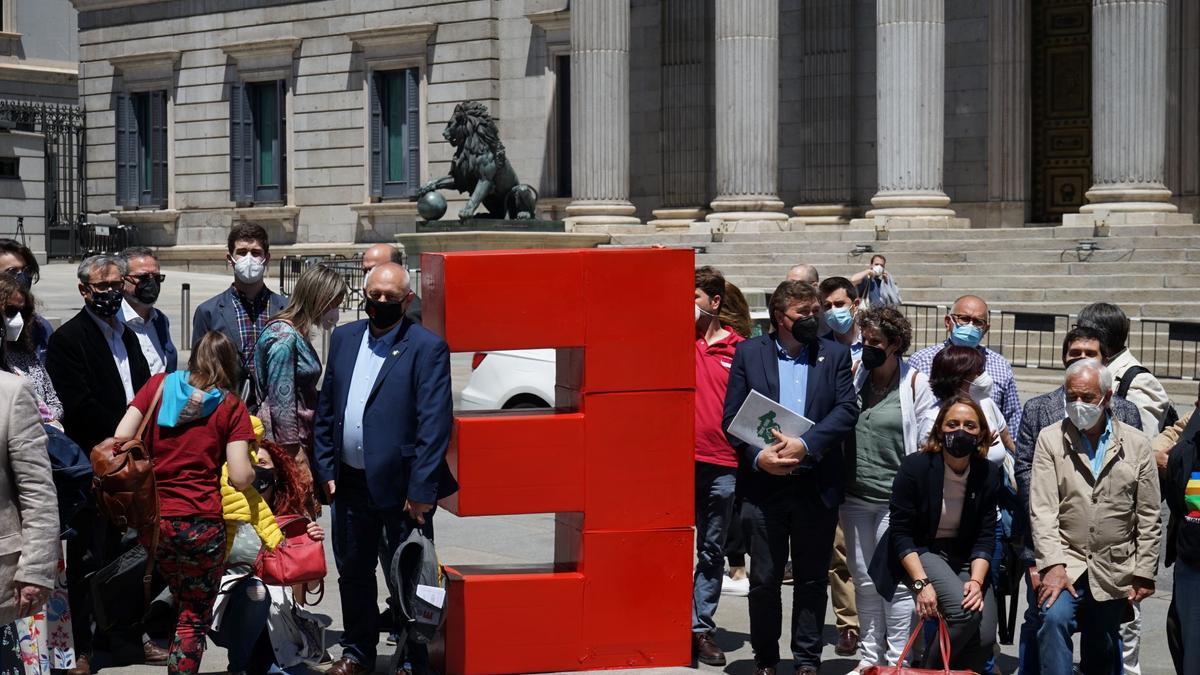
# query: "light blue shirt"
{"points": [[372, 352], [793, 379], [1097, 453]]}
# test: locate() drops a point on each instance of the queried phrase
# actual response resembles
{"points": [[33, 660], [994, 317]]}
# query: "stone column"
{"points": [[1129, 107], [910, 37], [747, 111], [1009, 101], [600, 115]]}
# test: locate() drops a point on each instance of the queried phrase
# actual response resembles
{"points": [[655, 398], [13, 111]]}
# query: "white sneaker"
{"points": [[738, 587]]}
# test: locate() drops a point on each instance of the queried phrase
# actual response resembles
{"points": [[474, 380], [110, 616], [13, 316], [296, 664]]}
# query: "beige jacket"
{"points": [[1108, 527], [29, 548], [1146, 392]]}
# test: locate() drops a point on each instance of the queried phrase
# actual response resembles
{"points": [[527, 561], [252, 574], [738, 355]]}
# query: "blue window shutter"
{"points": [[281, 156], [413, 98], [158, 147], [126, 146], [241, 145], [376, 94]]}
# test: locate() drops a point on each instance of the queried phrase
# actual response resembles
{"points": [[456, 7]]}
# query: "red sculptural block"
{"points": [[614, 461]]}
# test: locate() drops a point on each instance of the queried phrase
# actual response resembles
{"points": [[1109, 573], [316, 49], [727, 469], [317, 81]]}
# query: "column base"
{"points": [[882, 224], [1102, 222], [747, 214], [819, 215], [1128, 199], [615, 217], [911, 204], [678, 219]]}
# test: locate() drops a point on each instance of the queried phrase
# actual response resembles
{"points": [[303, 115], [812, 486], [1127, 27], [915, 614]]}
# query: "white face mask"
{"points": [[13, 328], [1083, 415], [329, 319], [249, 269], [878, 270], [981, 388]]}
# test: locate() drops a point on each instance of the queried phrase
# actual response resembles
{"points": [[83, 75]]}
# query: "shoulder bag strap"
{"points": [[150, 411], [1126, 379], [152, 551]]}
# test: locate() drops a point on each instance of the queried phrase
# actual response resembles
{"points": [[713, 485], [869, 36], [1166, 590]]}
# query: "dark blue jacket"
{"points": [[830, 402], [217, 313], [916, 510], [407, 420]]}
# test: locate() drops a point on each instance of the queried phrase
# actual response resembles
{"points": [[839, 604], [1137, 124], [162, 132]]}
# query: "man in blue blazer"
{"points": [[381, 433], [792, 488]]}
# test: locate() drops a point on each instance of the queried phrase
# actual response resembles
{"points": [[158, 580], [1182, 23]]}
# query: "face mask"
{"points": [[981, 388], [805, 330], [878, 270], [960, 443], [873, 357], [966, 336], [249, 269], [1083, 415], [24, 279], [106, 304], [264, 479], [13, 327], [329, 319], [384, 314], [840, 319], [147, 290]]}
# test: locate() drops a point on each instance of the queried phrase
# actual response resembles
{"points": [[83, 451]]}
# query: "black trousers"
{"points": [[792, 520]]}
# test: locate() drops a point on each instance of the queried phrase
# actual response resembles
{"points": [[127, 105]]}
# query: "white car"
{"points": [[510, 380]]}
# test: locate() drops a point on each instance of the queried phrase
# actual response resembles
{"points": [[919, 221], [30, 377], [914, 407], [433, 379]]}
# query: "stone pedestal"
{"points": [[682, 218], [1129, 107], [747, 112], [820, 215], [600, 116]]}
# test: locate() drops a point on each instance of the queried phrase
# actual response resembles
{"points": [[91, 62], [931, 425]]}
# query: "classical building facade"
{"points": [[318, 118]]}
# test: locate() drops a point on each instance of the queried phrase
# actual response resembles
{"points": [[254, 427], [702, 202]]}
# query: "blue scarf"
{"points": [[183, 403]]}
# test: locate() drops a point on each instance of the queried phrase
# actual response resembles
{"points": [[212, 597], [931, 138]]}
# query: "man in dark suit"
{"points": [[96, 366], [1081, 342], [241, 311], [792, 488], [381, 434]]}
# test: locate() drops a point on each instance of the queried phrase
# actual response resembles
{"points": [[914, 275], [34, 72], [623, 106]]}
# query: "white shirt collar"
{"points": [[129, 315], [107, 329]]}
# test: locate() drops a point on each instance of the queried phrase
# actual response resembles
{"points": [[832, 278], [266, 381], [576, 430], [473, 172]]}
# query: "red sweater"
{"points": [[712, 379]]}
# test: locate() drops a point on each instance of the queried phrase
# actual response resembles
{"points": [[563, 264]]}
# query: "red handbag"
{"points": [[299, 559], [944, 642]]}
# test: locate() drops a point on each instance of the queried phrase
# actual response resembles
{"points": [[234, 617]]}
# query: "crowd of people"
{"points": [[914, 478], [918, 476], [243, 445]]}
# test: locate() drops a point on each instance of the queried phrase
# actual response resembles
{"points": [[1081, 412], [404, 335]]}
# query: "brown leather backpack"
{"points": [[123, 479]]}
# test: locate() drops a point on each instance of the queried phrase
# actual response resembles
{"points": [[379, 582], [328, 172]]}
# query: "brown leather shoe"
{"points": [[153, 655], [707, 651], [847, 644], [83, 666], [806, 670], [347, 666], [766, 670]]}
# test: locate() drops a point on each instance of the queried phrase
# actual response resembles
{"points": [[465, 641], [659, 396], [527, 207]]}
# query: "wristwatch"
{"points": [[920, 584]]}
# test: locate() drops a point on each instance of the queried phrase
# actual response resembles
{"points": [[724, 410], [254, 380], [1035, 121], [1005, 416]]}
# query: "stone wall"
{"points": [[25, 198]]}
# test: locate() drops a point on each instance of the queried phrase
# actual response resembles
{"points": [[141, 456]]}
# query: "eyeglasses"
{"points": [[962, 319], [138, 278], [105, 286]]}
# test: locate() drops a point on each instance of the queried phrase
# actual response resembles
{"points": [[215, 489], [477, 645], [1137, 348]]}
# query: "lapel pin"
{"points": [[395, 352], [820, 359]]}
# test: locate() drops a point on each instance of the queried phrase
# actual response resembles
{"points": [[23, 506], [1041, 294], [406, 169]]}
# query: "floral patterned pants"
{"points": [[190, 556]]}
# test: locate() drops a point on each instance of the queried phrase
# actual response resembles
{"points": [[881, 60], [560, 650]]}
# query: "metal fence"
{"points": [[1170, 349], [66, 168], [350, 269]]}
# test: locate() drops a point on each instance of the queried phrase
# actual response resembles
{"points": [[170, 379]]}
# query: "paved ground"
{"points": [[525, 539]]}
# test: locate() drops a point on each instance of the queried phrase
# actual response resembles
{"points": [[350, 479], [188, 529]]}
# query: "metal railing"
{"points": [[96, 239], [350, 269]]}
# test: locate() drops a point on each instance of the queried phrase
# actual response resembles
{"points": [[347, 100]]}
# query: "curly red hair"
{"points": [[289, 498]]}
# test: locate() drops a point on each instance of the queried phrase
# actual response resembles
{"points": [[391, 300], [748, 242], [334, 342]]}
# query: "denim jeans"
{"points": [[883, 627], [1187, 605], [714, 508], [1100, 641], [1031, 623]]}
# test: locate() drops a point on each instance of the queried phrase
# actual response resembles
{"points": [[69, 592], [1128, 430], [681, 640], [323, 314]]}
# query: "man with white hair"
{"points": [[804, 272], [1094, 509]]}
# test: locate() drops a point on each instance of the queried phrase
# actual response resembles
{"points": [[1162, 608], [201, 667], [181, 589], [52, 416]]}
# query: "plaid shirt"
{"points": [[1004, 391], [252, 316]]}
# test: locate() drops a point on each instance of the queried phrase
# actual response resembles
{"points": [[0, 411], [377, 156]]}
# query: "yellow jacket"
{"points": [[247, 506]]}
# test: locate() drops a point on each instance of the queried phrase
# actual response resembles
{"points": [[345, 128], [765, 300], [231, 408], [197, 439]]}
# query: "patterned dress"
{"points": [[37, 644], [28, 366], [288, 372]]}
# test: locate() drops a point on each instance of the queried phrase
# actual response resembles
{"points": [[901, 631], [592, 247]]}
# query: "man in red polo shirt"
{"points": [[716, 460]]}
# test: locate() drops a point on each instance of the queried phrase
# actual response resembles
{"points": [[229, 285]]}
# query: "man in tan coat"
{"points": [[29, 547], [1094, 508]]}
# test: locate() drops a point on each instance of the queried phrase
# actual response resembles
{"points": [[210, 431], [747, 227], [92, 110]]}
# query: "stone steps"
{"points": [[921, 274]]}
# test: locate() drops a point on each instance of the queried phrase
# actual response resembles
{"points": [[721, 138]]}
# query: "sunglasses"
{"points": [[143, 277]]}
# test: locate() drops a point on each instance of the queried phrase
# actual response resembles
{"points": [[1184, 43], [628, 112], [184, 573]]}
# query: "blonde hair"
{"points": [[316, 291], [214, 363]]}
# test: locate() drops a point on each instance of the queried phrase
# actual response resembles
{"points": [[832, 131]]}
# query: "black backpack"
{"points": [[1126, 380]]}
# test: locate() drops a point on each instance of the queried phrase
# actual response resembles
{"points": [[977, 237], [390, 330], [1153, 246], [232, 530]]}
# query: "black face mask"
{"points": [[264, 479], [960, 443], [24, 279], [805, 330], [147, 290], [106, 304], [873, 357], [384, 314]]}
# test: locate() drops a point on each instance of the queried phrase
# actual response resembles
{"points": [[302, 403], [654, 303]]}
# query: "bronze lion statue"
{"points": [[481, 169]]}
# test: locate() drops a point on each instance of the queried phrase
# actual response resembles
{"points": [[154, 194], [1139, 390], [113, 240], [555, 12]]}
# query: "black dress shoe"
{"points": [[847, 644], [764, 670]]}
